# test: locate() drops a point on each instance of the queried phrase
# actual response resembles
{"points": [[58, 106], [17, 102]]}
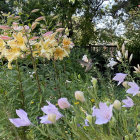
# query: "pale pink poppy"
{"points": [[63, 103]]}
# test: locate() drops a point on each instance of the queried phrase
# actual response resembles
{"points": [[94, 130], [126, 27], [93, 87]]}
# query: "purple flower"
{"points": [[120, 77], [63, 103], [52, 114], [103, 114], [128, 102], [86, 122], [22, 121], [78, 125], [134, 88]]}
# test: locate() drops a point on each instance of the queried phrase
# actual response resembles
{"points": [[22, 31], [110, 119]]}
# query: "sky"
{"points": [[119, 29]]}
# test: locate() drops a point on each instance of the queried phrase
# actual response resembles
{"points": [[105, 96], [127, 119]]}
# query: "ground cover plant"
{"points": [[50, 90]]}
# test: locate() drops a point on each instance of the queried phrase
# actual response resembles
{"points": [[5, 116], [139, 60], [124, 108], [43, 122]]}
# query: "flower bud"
{"points": [[60, 29], [63, 103], [40, 18], [108, 103], [130, 58], [123, 49], [138, 94], [117, 104], [125, 84], [34, 25], [138, 127], [126, 54], [35, 10], [67, 31], [94, 81], [119, 54], [119, 59], [79, 95], [126, 137], [52, 118], [89, 118]]}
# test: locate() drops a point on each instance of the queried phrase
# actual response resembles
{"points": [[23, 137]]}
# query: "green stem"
{"points": [[20, 85], [42, 132], [21, 94], [34, 67], [56, 78]]}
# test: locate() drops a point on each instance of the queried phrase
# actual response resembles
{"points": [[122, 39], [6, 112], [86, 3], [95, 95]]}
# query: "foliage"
{"points": [[43, 66], [133, 33]]}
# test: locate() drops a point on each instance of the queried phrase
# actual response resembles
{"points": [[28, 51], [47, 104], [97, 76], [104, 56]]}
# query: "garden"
{"points": [[69, 70]]}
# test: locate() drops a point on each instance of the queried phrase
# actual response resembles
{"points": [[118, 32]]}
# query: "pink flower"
{"points": [[60, 29], [35, 10], [103, 114], [63, 103], [34, 24], [48, 33], [5, 27], [34, 38], [22, 121], [5, 37], [40, 18], [134, 88], [120, 77], [128, 102]]}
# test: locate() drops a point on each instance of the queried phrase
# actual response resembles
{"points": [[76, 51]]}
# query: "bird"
{"points": [[88, 64]]}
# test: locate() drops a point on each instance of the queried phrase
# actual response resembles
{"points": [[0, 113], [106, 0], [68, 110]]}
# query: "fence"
{"points": [[96, 48]]}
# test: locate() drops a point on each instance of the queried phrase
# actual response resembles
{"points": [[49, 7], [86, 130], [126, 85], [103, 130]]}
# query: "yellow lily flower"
{"points": [[66, 41], [46, 50], [2, 46], [19, 41], [11, 54], [60, 53], [66, 48]]}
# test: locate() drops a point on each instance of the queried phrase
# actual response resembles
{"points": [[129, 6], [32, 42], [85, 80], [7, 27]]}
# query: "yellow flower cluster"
{"points": [[48, 46], [51, 48]]}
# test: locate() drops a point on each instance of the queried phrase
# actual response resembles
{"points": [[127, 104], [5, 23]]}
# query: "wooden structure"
{"points": [[96, 48]]}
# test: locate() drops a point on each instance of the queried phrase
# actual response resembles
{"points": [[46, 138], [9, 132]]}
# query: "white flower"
{"points": [[119, 54], [67, 81], [137, 69], [85, 58], [111, 63]]}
